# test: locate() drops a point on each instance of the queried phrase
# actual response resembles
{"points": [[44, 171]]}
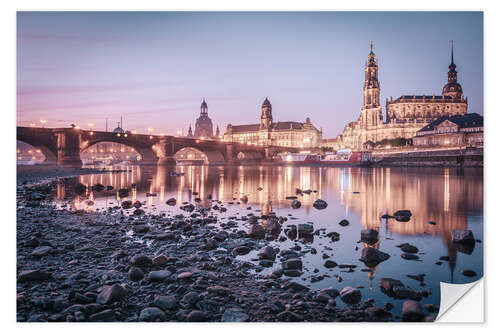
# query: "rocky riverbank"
{"points": [[31, 174], [124, 264]]}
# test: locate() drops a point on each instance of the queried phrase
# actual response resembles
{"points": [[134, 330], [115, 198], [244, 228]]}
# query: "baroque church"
{"points": [[203, 127], [282, 133], [404, 115]]}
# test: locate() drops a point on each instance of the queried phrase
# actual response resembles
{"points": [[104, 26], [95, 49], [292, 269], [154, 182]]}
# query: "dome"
{"points": [[204, 104], [452, 89], [118, 130]]}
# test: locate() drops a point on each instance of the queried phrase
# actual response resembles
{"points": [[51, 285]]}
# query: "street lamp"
{"points": [[43, 122]]}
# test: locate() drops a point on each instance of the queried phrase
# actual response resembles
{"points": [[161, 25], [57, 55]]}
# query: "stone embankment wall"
{"points": [[444, 158]]}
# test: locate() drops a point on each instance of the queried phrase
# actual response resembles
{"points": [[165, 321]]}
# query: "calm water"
{"points": [[453, 198]]}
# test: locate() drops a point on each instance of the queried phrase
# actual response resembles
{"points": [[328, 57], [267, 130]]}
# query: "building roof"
{"points": [[277, 126], [463, 121]]}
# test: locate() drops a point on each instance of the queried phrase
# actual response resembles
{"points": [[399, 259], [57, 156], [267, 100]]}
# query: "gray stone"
{"points": [[110, 294], [152, 314], [463, 236], [350, 295], [41, 251], [135, 273], [296, 204], [294, 263], [166, 303], [320, 204], [33, 275], [412, 311], [158, 276], [141, 260], [267, 252], [196, 316], [234, 315], [372, 257]]}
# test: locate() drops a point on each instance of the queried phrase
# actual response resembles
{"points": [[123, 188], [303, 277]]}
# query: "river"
{"points": [[452, 198]]}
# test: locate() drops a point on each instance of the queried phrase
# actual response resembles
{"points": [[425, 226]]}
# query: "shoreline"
{"points": [[121, 267], [41, 174]]}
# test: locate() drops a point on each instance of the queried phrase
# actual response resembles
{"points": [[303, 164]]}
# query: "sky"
{"points": [[154, 68]]}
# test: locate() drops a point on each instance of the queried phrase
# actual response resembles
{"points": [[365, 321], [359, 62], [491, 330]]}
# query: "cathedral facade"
{"points": [[284, 133], [404, 115]]}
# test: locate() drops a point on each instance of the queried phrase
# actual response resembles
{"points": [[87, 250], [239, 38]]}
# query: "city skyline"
{"points": [[150, 67]]}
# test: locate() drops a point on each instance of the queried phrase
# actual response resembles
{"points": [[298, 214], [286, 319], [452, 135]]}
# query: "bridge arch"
{"points": [[145, 151], [204, 156], [47, 144]]}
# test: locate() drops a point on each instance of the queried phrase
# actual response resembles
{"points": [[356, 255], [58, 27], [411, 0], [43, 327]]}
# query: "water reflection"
{"points": [[450, 197]]}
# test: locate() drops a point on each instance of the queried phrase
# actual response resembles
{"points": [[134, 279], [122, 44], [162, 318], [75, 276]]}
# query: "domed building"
{"points": [[203, 128]]}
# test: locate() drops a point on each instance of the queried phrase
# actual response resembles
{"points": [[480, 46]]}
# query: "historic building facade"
{"points": [[203, 128], [452, 131], [284, 133], [404, 115]]}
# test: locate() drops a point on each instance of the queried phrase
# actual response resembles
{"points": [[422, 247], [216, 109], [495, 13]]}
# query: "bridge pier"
{"points": [[166, 160], [68, 148]]}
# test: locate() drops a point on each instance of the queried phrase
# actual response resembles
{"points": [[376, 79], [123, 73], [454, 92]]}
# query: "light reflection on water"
{"points": [[453, 198]]}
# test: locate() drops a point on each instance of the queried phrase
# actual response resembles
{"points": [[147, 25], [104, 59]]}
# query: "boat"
{"points": [[343, 157]]}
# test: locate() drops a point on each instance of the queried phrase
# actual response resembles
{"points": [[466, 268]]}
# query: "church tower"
{"points": [[371, 111], [266, 118], [452, 89]]}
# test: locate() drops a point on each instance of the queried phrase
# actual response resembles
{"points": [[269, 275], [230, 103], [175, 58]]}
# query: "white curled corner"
{"points": [[461, 303]]}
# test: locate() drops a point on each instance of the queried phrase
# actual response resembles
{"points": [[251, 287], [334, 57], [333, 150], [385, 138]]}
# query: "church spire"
{"points": [[452, 51], [190, 132]]}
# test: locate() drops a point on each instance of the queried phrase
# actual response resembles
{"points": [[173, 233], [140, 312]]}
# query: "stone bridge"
{"points": [[64, 145]]}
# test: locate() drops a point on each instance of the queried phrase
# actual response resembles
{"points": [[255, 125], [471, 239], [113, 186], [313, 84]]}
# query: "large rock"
{"points": [[196, 316], [152, 314], [33, 275], [372, 257], [369, 236], [110, 294], [412, 311], [408, 248], [296, 204], [402, 215], [396, 289], [241, 250], [158, 276], [294, 263], [305, 229], [141, 260], [171, 202], [320, 204], [41, 251], [267, 252], [166, 303], [256, 231], [234, 315], [135, 273], [463, 237], [350, 295]]}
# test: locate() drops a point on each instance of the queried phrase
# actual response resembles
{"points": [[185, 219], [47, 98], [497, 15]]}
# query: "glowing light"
{"points": [[125, 135], [91, 133], [118, 134], [151, 137], [32, 124], [134, 132], [43, 122], [150, 130]]}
